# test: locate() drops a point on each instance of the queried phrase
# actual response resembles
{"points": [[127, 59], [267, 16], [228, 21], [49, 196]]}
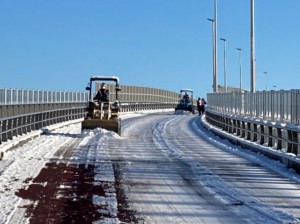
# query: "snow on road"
{"points": [[163, 169], [24, 163], [160, 189]]}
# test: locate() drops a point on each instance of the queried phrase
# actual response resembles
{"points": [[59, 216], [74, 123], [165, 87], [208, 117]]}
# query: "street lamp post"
{"points": [[252, 46], [240, 59], [214, 57], [216, 45], [225, 78], [266, 80]]}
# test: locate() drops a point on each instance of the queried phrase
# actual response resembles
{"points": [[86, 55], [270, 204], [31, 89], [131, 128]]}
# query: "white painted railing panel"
{"points": [[282, 105]]}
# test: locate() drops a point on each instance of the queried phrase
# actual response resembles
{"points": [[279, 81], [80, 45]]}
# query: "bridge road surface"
{"points": [[165, 168]]}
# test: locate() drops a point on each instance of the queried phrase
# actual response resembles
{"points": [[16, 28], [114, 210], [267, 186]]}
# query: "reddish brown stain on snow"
{"points": [[64, 193]]}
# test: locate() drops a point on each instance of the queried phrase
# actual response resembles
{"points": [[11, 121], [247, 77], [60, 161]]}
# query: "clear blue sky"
{"points": [[167, 44]]}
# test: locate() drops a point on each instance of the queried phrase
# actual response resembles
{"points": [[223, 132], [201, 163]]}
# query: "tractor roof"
{"points": [[105, 78], [186, 90]]}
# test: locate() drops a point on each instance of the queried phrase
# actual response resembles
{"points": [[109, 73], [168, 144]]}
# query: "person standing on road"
{"points": [[199, 103], [202, 107]]}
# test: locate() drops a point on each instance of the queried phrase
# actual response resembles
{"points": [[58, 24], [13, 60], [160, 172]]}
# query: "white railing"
{"points": [[128, 94], [20, 96], [282, 105]]}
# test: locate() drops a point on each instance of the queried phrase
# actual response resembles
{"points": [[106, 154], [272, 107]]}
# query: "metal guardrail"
{"points": [[21, 119], [268, 118], [282, 141], [24, 123], [274, 135]]}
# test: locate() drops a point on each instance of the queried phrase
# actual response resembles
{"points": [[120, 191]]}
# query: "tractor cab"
{"points": [[102, 110]]}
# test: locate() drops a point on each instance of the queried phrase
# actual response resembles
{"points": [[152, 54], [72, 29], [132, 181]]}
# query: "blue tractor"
{"points": [[186, 102]]}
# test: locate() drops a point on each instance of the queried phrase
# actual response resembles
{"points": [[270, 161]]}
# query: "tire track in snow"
{"points": [[184, 148], [159, 188]]}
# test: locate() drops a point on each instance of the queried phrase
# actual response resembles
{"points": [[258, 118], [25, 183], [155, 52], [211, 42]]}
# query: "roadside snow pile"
{"points": [[19, 140]]}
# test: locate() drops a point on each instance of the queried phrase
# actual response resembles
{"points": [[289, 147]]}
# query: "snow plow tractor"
{"points": [[186, 102], [103, 112]]}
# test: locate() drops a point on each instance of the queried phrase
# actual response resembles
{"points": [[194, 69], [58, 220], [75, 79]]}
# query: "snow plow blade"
{"points": [[110, 125]]}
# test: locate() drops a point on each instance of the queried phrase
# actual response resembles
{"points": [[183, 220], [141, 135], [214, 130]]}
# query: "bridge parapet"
{"points": [[143, 94], [282, 105], [21, 96]]}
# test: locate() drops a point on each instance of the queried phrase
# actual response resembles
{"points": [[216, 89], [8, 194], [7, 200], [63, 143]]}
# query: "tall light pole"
{"points": [[214, 58], [252, 43], [215, 51], [225, 78], [266, 80], [240, 59], [216, 47]]}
